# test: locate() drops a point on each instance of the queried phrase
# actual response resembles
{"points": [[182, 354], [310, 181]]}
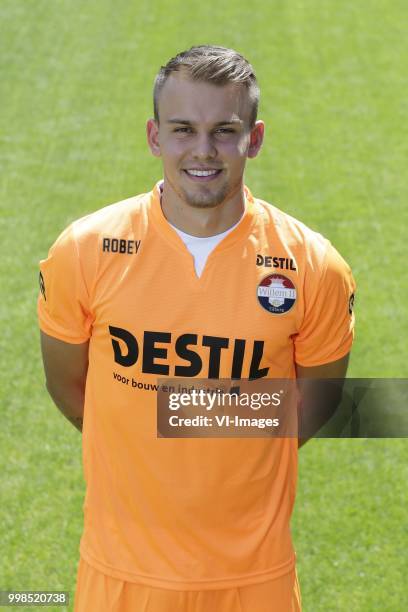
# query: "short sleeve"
{"points": [[327, 330], [63, 302]]}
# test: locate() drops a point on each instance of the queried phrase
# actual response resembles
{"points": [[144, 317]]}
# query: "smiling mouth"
{"points": [[202, 175]]}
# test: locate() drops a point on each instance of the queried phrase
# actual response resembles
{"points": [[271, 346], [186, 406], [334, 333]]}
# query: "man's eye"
{"points": [[184, 130]]}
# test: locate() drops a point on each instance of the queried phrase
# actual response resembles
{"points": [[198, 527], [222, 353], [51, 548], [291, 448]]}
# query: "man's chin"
{"points": [[205, 200], [203, 203]]}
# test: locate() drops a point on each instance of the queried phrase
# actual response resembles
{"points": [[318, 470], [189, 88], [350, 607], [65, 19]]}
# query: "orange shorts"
{"points": [[97, 591]]}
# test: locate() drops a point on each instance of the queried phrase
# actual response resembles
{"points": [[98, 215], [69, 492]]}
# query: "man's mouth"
{"points": [[202, 175]]}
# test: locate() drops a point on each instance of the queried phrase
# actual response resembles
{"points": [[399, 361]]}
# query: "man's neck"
{"points": [[202, 222]]}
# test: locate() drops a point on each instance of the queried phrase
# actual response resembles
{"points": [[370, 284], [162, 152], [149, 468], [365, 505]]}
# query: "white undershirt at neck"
{"points": [[200, 248]]}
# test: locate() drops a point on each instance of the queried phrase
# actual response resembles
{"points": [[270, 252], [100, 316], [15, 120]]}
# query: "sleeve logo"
{"points": [[351, 303], [42, 285]]}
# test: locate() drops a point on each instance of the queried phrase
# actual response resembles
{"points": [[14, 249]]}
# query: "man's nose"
{"points": [[204, 146]]}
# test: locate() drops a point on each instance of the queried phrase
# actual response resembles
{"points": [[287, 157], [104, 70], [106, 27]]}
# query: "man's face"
{"points": [[203, 138]]}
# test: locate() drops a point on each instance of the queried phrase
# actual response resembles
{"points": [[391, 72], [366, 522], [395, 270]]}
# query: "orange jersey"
{"points": [[189, 514]]}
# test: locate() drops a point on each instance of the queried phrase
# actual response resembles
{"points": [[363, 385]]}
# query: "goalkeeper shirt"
{"points": [[189, 513]]}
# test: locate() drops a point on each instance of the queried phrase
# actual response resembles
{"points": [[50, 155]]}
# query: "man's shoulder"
{"points": [[123, 220], [290, 230], [307, 244], [118, 217]]}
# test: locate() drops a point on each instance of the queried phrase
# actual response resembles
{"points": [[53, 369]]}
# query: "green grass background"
{"points": [[76, 81]]}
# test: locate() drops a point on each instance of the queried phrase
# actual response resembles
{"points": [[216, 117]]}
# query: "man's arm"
{"points": [[66, 367], [312, 412]]}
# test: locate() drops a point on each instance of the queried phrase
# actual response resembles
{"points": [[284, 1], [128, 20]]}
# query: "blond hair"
{"points": [[211, 64]]}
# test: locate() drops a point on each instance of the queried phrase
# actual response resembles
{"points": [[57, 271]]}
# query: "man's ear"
{"points": [[256, 138], [152, 132]]}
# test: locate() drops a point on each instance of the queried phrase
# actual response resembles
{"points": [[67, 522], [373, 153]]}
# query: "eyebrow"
{"points": [[185, 122]]}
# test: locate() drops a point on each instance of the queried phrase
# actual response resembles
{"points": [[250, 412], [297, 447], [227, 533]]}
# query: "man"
{"points": [[174, 283]]}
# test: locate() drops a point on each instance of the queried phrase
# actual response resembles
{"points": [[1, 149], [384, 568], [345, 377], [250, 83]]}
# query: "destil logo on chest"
{"points": [[206, 356]]}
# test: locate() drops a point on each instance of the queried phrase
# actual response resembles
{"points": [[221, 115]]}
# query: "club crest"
{"points": [[276, 293]]}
